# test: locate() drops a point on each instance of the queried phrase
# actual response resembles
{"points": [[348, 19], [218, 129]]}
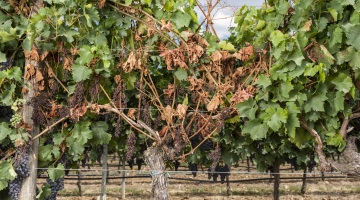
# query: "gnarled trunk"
{"points": [[154, 158]]}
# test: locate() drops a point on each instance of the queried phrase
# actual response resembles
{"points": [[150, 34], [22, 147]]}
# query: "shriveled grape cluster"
{"points": [[157, 122], [225, 113], [214, 157], [118, 127], [207, 145], [178, 139], [41, 105], [78, 95], [94, 88], [131, 141]]}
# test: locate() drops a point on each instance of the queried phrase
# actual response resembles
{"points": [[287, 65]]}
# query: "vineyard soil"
{"points": [[289, 189]]}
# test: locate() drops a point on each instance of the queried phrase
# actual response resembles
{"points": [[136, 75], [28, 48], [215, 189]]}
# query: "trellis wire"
{"points": [[175, 172]]}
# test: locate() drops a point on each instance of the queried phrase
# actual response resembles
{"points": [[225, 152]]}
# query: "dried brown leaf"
{"points": [[181, 110], [117, 79], [216, 56], [131, 113], [74, 51], [170, 91], [195, 84], [225, 88], [163, 131], [215, 102], [29, 71], [24, 90], [44, 55]]}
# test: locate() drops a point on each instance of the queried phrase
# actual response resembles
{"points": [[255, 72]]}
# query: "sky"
{"points": [[222, 25]]}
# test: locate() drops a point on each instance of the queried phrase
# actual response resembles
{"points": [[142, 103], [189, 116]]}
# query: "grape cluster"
{"points": [[194, 140], [7, 64], [259, 147], [157, 122], [55, 187], [139, 162], [168, 100], [207, 145], [177, 139], [41, 105], [21, 169], [193, 167], [293, 163], [54, 89], [312, 162], [6, 112], [177, 164], [252, 156], [130, 162], [50, 141], [85, 158], [225, 113], [131, 141], [99, 154], [213, 174], [270, 168], [64, 161], [214, 157], [94, 88], [181, 90], [118, 127], [223, 175], [78, 95]]}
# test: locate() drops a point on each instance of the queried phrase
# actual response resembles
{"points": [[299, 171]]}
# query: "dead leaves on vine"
{"points": [[131, 113], [131, 63], [195, 84], [174, 57], [215, 102]]}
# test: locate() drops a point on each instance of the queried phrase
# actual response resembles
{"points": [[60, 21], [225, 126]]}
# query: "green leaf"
{"points": [[45, 191], [100, 40], [226, 46], [256, 129], [310, 70], [247, 108], [181, 19], [355, 61], [130, 79], [4, 131], [128, 2], [169, 5], [275, 118], [186, 100], [82, 132], [2, 57], [353, 36], [181, 74], [233, 120], [6, 95], [285, 88], [276, 37], [315, 103], [343, 83], [7, 171], [291, 124], [80, 73], [99, 130], [85, 55], [263, 81], [12, 73], [335, 36], [333, 13], [56, 173], [292, 108], [260, 24]]}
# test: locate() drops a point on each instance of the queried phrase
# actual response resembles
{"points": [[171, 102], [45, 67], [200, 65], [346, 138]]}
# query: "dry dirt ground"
{"points": [[339, 188]]}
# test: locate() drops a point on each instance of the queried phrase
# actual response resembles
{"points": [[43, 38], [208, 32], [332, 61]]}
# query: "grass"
{"points": [[65, 192]]}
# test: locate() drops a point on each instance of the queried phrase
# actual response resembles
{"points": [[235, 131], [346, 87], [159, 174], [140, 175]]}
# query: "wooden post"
{"points": [[303, 187], [105, 168], [228, 188], [123, 180], [28, 184], [133, 174], [276, 181], [79, 182], [248, 164]]}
